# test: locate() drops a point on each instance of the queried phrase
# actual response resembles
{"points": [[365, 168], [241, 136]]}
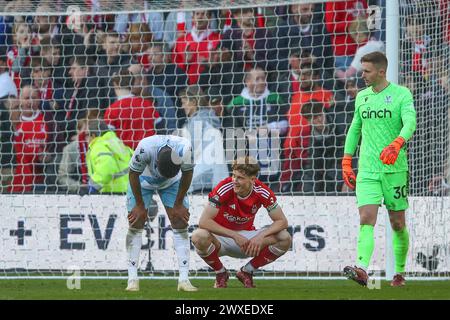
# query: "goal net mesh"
{"points": [[276, 80]]}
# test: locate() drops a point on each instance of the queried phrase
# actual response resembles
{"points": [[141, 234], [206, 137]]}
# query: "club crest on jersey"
{"points": [[233, 206], [388, 99], [254, 209]]}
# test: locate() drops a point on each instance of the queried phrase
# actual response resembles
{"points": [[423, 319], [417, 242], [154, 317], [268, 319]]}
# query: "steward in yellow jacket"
{"points": [[107, 160]]}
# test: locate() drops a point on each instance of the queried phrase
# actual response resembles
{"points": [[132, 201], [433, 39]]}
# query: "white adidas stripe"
{"points": [[221, 193], [224, 186], [261, 190]]}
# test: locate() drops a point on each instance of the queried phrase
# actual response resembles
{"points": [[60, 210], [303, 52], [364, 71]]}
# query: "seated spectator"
{"points": [[322, 167], [87, 92], [30, 139], [202, 128], [360, 33], [163, 73], [107, 159], [295, 146], [110, 61], [162, 102], [7, 85], [250, 43], [132, 118], [192, 50], [338, 17], [258, 108], [221, 75], [72, 171], [302, 31], [155, 20]]}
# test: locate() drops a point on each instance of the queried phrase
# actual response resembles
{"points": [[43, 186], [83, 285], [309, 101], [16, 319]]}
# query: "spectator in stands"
{"points": [[322, 168], [338, 17], [107, 159], [19, 55], [51, 95], [131, 117], [4, 29], [192, 50], [296, 144], [72, 171], [110, 61], [86, 93], [50, 50], [6, 146], [360, 33], [7, 85], [162, 102], [301, 31], [289, 81], [259, 108], [221, 75], [155, 20], [30, 138], [415, 47], [45, 25], [250, 43], [262, 107], [163, 73], [345, 107], [139, 39], [179, 23], [78, 39], [202, 128]]}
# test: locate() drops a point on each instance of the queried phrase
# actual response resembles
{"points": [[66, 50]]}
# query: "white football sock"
{"points": [[181, 244], [134, 244]]}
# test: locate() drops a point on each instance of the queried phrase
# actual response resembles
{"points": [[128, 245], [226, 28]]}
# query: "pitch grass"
{"points": [[266, 290]]}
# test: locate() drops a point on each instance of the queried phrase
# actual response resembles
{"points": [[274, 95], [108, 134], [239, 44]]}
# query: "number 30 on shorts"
{"points": [[400, 192]]}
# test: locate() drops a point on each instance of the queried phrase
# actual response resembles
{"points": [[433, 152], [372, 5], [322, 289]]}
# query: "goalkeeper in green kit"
{"points": [[384, 119]]}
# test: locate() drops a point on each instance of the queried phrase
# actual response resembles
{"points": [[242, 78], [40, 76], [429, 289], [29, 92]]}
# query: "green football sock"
{"points": [[400, 241], [365, 245]]}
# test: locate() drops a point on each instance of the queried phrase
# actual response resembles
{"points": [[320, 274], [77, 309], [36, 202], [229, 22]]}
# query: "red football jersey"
{"points": [[29, 143], [237, 213], [133, 119]]}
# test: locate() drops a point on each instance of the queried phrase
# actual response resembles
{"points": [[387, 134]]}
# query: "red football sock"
{"points": [[265, 257], [212, 259]]}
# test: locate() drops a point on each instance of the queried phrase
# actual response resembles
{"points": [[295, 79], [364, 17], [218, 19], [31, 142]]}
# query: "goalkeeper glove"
{"points": [[347, 172], [390, 154]]}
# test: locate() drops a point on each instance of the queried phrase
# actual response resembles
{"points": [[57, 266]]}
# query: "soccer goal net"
{"points": [[276, 80]]}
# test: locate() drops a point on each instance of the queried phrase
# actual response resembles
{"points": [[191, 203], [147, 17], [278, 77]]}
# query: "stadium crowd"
{"points": [[65, 85]]}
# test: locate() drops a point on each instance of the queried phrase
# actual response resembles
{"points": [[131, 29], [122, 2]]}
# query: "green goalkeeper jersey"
{"points": [[380, 118]]}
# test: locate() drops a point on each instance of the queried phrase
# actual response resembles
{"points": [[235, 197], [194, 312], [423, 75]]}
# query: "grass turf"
{"points": [[266, 289]]}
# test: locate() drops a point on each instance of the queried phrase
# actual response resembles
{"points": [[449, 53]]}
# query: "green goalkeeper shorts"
{"points": [[372, 187]]}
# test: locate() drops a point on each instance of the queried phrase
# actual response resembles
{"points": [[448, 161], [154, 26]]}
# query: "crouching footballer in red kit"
{"points": [[226, 225]]}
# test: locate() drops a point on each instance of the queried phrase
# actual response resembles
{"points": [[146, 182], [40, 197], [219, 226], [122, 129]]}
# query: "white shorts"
{"points": [[228, 247]]}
